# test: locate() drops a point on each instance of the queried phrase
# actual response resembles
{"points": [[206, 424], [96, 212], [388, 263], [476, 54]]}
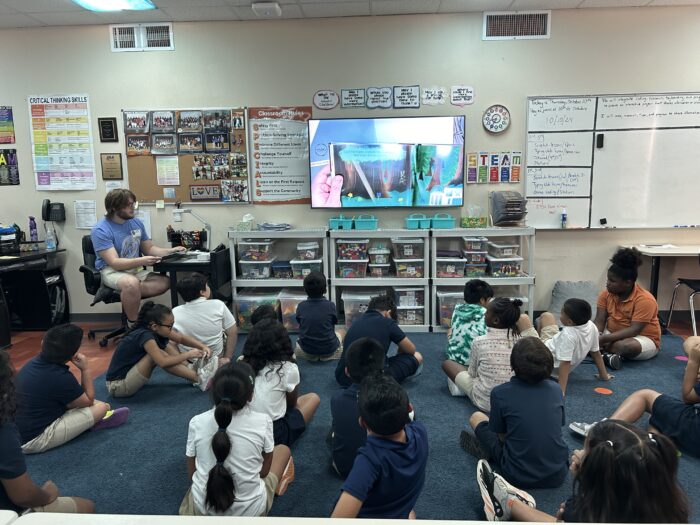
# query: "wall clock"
{"points": [[496, 118]]}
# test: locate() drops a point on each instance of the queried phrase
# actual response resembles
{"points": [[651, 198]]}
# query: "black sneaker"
{"points": [[612, 361], [470, 444]]}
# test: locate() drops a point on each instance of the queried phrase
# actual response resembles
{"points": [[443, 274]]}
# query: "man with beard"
{"points": [[123, 248]]}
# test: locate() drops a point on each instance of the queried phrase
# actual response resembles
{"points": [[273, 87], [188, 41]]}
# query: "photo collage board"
{"points": [[215, 138]]}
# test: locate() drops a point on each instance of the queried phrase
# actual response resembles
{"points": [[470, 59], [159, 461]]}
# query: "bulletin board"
{"points": [[199, 178]]}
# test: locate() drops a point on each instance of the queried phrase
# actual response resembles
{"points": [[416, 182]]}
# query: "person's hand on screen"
{"points": [[325, 190]]}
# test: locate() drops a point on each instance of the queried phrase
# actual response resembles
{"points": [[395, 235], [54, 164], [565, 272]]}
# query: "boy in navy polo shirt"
{"points": [[363, 357], [52, 407], [317, 317], [379, 323], [389, 471], [523, 437]]}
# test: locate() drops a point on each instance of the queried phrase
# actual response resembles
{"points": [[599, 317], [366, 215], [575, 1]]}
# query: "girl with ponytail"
{"points": [[623, 475], [489, 363], [145, 346], [232, 461], [628, 315]]}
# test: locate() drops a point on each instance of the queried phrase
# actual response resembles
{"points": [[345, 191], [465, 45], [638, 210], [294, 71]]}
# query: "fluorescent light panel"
{"points": [[115, 5]]}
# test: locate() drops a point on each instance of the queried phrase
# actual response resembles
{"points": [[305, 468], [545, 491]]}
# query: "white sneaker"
{"points": [[581, 428], [206, 373], [495, 491], [454, 389]]}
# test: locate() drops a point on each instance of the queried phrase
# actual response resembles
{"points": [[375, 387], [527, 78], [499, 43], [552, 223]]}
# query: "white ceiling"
{"points": [[37, 13]]}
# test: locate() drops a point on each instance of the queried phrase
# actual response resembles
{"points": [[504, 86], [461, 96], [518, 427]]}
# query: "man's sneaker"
{"points": [[454, 389], [471, 444], [612, 361], [206, 373], [113, 418], [496, 491], [287, 477], [582, 429]]}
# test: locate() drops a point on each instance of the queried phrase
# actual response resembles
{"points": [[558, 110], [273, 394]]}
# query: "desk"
{"points": [[34, 293], [218, 268], [7, 516], [656, 252]]}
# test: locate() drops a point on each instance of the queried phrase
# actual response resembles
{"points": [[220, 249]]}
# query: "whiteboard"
{"points": [[559, 149], [546, 213], [558, 182], [560, 113], [648, 111], [648, 178]]}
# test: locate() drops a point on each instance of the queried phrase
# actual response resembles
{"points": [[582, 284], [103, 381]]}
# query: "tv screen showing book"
{"points": [[387, 162]]}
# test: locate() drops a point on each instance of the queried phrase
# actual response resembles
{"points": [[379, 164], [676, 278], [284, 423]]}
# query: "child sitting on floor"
{"points": [[467, 324], [489, 363], [522, 436], [318, 340], [233, 464], [364, 356], [573, 343], [145, 346], [52, 407], [205, 319], [389, 471]]}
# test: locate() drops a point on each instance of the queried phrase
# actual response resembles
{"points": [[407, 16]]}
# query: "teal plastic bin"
{"points": [[416, 221], [340, 223], [365, 222], [443, 221]]}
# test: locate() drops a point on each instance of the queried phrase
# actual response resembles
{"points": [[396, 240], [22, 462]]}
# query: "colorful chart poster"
{"points": [[9, 170], [7, 125], [516, 166], [472, 159], [279, 153], [61, 134], [483, 173], [505, 165]]}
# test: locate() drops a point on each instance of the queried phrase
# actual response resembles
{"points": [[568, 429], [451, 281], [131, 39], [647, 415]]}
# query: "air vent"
{"points": [[142, 37], [523, 25]]}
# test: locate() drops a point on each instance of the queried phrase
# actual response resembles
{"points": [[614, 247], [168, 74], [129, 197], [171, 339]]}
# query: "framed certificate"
{"points": [[108, 129], [111, 166]]}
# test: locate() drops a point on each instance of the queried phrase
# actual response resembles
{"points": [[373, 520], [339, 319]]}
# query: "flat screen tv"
{"points": [[387, 162]]}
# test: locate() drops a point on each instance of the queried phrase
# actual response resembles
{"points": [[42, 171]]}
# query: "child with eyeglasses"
{"points": [[145, 346]]}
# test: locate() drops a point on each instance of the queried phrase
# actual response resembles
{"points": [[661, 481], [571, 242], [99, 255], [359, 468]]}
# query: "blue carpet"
{"points": [[139, 468]]}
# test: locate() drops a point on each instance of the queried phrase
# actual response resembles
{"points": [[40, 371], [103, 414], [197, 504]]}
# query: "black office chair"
{"points": [[694, 285], [104, 294]]}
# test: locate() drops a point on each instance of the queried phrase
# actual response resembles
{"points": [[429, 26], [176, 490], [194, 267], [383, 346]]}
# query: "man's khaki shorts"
{"points": [[132, 383], [110, 277], [69, 426]]}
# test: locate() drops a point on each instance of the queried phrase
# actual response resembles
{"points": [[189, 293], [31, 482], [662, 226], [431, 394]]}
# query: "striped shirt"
{"points": [[490, 364]]}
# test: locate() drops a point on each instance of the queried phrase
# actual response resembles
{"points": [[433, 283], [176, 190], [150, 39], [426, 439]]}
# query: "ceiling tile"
{"points": [[525, 5], [5, 10], [616, 3], [472, 6], [189, 3], [333, 9], [395, 7], [18, 21], [42, 6], [664, 3], [134, 17], [68, 19], [291, 11], [201, 13]]}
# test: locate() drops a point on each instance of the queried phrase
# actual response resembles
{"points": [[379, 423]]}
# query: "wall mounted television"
{"points": [[389, 162]]}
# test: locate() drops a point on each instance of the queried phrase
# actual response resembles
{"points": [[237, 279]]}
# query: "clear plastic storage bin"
{"points": [[450, 267], [407, 248], [475, 244], [355, 249], [355, 302], [352, 269], [307, 251], [256, 269], [474, 257], [447, 300], [282, 270], [409, 296], [504, 266], [475, 270], [379, 270], [302, 268], [289, 299], [379, 255], [502, 249], [248, 300], [410, 268], [410, 315], [255, 250]]}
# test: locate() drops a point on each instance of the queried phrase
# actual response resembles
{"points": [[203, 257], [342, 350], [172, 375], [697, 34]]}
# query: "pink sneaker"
{"points": [[117, 417]]}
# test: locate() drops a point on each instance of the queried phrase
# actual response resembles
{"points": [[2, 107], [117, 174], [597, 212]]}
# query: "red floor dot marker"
{"points": [[604, 391], [681, 358]]}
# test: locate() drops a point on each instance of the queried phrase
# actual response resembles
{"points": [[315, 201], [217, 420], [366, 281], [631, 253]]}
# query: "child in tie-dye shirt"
{"points": [[467, 323]]}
